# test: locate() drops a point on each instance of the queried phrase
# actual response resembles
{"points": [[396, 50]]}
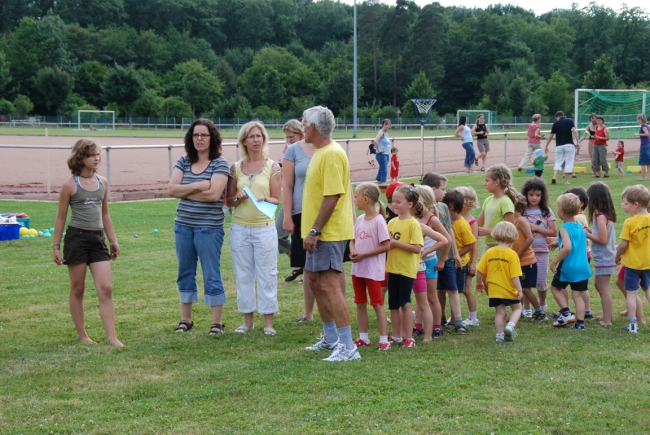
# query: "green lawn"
{"points": [[549, 381]]}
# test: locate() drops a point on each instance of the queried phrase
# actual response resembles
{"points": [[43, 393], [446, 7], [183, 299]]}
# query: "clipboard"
{"points": [[266, 208]]}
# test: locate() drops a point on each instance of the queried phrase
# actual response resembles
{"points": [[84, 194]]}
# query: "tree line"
{"points": [[265, 58]]}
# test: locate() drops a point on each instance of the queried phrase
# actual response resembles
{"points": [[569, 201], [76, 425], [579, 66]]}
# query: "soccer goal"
{"points": [[491, 117], [96, 120], [620, 107]]}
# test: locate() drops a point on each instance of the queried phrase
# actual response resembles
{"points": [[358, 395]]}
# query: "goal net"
{"points": [[620, 107], [491, 117], [96, 120]]}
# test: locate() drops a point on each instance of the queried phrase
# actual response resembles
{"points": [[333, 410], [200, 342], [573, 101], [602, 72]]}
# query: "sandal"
{"points": [[302, 320], [184, 326], [293, 275], [269, 331], [482, 169], [217, 328], [243, 329]]}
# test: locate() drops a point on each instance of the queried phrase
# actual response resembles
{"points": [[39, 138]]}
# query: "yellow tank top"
{"points": [[260, 184]]}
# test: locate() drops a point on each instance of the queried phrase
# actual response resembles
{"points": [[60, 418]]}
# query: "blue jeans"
{"points": [[470, 155], [202, 244], [382, 159]]}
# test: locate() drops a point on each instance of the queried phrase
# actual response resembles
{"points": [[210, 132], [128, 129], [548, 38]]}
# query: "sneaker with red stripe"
{"points": [[359, 342]]}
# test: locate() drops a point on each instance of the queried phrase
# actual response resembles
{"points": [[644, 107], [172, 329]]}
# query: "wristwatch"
{"points": [[313, 232]]}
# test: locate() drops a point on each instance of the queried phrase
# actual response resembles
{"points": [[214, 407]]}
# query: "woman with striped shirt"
{"points": [[199, 179]]}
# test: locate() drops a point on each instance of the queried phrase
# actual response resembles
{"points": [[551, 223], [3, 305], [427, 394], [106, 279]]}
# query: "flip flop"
{"points": [[269, 331], [243, 329]]}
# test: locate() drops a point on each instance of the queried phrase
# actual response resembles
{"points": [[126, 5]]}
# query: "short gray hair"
{"points": [[321, 118]]}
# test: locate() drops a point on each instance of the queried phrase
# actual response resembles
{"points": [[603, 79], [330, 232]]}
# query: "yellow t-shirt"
{"points": [[400, 261], [464, 237], [500, 265], [328, 174], [260, 184], [636, 230]]}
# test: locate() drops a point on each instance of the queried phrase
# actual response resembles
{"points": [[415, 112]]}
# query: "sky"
{"points": [[539, 7]]}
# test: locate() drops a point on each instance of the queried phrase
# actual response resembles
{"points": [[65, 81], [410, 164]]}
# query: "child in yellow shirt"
{"points": [[634, 248], [499, 271]]}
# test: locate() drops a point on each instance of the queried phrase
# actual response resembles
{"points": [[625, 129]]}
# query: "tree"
{"points": [[6, 108], [54, 45], [152, 51], [54, 85], [24, 55], [429, 43], [324, 21], [98, 13], [88, 81], [228, 77], [228, 108], [5, 74], [602, 76], [195, 85], [371, 17], [394, 32], [335, 90], [556, 94], [518, 94], [495, 86], [272, 90], [23, 105], [122, 85], [149, 104], [72, 104], [175, 107], [420, 87]]}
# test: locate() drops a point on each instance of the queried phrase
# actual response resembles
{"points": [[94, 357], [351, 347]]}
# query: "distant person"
{"points": [[86, 195], [590, 135], [394, 165], [481, 130], [465, 133], [534, 141], [599, 159], [539, 162], [382, 142], [619, 157], [565, 149], [644, 151]]}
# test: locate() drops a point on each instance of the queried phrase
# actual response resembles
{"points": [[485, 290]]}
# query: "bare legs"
{"points": [[425, 314], [308, 297], [330, 298], [101, 273], [362, 318], [602, 286]]}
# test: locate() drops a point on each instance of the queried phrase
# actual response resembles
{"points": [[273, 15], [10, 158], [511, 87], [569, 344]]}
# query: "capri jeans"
{"points": [[470, 154], [382, 159], [204, 244], [255, 257]]}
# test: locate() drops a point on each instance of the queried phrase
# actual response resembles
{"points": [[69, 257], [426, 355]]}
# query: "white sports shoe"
{"points": [[632, 327], [527, 314], [322, 345], [342, 353], [470, 322]]}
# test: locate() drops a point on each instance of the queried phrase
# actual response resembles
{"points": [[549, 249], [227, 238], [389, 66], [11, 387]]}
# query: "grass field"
{"points": [[549, 381]]}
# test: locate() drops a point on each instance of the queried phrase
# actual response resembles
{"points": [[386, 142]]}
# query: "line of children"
{"points": [[470, 203]]}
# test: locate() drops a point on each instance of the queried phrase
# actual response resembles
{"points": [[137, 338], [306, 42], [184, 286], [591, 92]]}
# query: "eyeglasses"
{"points": [[200, 136]]}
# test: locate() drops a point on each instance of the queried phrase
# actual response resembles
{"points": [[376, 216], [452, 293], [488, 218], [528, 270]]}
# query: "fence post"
{"points": [[505, 148], [169, 155], [347, 147], [435, 152], [108, 170]]}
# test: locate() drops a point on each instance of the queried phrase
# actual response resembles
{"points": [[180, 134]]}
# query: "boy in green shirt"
{"points": [[538, 163]]}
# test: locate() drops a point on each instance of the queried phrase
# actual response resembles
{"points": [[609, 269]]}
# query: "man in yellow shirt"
{"points": [[326, 229]]}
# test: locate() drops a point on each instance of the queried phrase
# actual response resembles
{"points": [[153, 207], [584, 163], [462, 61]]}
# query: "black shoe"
{"points": [[553, 181], [519, 169], [293, 275], [589, 316]]}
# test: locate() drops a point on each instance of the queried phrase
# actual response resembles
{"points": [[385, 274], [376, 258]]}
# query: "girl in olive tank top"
{"points": [[84, 245]]}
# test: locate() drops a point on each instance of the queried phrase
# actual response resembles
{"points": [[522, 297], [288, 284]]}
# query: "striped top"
{"points": [[201, 214]]}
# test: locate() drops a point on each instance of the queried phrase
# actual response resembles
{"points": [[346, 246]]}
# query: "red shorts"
{"points": [[374, 290], [621, 273]]}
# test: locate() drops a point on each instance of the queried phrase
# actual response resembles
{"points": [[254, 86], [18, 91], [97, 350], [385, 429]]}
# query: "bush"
{"points": [[6, 108], [23, 105]]}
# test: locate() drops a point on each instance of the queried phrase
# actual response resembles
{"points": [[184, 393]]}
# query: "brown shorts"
{"points": [[84, 246]]}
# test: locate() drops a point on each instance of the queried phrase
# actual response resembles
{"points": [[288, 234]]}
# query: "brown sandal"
{"points": [[184, 326], [218, 328]]}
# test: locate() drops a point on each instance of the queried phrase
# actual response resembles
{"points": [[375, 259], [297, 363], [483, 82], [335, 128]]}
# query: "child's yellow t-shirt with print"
{"points": [[636, 230], [398, 260], [464, 237], [500, 265]]}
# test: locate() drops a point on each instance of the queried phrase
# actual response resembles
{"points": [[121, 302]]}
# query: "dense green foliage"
{"points": [[246, 58]]}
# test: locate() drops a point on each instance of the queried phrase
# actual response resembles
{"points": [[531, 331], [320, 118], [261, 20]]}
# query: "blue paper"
{"points": [[266, 208]]}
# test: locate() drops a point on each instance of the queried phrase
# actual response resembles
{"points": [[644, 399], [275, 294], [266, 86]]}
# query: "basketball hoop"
{"points": [[423, 112], [423, 108]]}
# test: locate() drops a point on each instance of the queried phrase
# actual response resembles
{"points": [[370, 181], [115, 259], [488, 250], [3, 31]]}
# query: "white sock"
{"points": [[500, 335], [472, 315], [397, 339], [364, 336], [511, 324], [383, 338]]}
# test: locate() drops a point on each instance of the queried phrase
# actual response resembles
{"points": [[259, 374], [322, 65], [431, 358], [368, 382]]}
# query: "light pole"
{"points": [[354, 91]]}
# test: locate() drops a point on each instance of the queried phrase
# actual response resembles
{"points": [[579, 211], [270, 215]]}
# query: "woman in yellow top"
{"points": [[253, 237]]}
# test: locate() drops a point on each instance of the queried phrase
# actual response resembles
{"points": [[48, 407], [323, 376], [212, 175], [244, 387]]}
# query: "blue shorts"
{"points": [[431, 272], [529, 276], [447, 277], [636, 277], [461, 275]]}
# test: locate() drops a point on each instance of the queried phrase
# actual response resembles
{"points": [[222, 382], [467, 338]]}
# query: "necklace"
{"points": [[83, 176]]}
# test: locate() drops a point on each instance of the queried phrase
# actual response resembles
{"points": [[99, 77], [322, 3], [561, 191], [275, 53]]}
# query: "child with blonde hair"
{"points": [[570, 266], [368, 255], [634, 248], [498, 274], [471, 203]]}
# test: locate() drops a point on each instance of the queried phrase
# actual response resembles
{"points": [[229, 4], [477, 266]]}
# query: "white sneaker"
{"points": [[322, 345], [527, 314], [633, 328], [470, 322], [564, 320], [341, 353]]}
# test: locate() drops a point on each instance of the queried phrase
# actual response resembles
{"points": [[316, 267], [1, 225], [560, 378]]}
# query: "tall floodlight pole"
{"points": [[354, 91]]}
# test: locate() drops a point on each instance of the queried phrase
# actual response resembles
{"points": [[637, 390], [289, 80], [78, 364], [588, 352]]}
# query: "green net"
{"points": [[619, 107]]}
